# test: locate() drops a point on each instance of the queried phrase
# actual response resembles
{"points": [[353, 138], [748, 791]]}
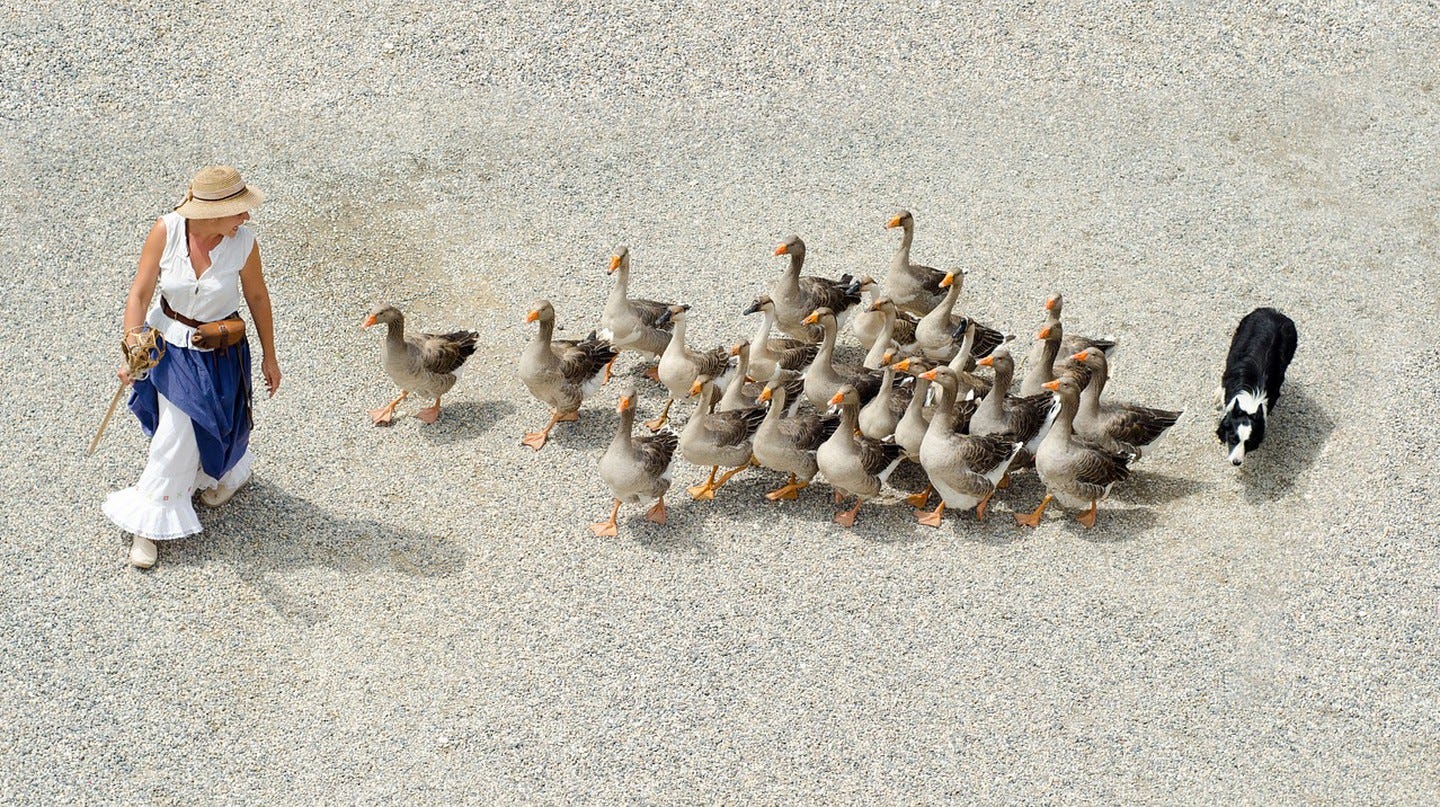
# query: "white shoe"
{"points": [[218, 495], [142, 552]]}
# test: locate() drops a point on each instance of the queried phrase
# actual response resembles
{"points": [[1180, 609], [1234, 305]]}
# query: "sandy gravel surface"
{"points": [[419, 613]]}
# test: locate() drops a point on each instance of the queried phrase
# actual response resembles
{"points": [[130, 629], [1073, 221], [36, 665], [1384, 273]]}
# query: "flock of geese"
{"points": [[915, 396]]}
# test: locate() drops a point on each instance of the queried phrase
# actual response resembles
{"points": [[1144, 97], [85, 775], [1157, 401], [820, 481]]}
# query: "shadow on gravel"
{"points": [[1149, 487], [265, 529], [1295, 434], [466, 420]]}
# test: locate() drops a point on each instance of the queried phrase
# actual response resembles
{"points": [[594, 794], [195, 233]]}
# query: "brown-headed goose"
{"points": [[914, 288], [1054, 305], [787, 443], [424, 364], [1026, 419], [630, 323], [825, 377], [1077, 472], [560, 373], [1046, 366], [795, 296], [882, 414], [1120, 426], [680, 366], [897, 330], [854, 464], [717, 438], [637, 469], [963, 468], [910, 431], [769, 352]]}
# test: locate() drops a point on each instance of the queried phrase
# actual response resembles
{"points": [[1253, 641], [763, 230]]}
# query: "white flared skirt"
{"points": [[159, 506]]}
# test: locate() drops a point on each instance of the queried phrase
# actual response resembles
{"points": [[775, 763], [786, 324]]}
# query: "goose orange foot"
{"points": [[789, 491], [932, 517], [846, 518], [919, 499], [656, 513], [705, 490], [1033, 519], [607, 529]]}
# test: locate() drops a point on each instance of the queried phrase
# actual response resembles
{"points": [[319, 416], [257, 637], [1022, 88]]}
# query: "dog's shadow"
{"points": [[1297, 430], [265, 531]]}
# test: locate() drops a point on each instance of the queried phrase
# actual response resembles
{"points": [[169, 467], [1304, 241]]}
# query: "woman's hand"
{"points": [[271, 370]]}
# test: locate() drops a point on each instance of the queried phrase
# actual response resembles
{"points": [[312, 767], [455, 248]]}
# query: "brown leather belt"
{"points": [[184, 320]]}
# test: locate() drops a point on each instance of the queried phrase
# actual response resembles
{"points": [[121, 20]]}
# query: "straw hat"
{"points": [[216, 192]]}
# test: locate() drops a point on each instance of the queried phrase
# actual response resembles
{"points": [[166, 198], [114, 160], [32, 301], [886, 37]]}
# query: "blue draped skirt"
{"points": [[213, 389]]}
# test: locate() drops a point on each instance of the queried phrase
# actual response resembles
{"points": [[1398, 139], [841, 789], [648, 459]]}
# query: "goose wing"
{"points": [[582, 360], [444, 352], [655, 451]]}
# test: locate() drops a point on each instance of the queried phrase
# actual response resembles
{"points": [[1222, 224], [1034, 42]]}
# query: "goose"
{"points": [[560, 373], [680, 366], [1077, 472], [963, 468], [1027, 419], [795, 296], [939, 331], [424, 364], [914, 288], [910, 431], [896, 330], [1054, 305], [854, 464], [637, 469], [824, 378], [769, 352], [787, 443], [964, 360], [629, 323], [1120, 426], [881, 415], [717, 438], [1043, 369]]}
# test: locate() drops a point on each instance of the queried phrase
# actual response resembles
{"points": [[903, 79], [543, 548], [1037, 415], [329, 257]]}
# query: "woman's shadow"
{"points": [[1296, 431], [265, 529]]}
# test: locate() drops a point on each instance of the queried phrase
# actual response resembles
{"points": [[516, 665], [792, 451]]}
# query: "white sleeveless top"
{"points": [[213, 295]]}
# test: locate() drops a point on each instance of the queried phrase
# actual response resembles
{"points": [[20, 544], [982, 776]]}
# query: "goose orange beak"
{"points": [[837, 399], [1081, 356], [370, 320], [948, 281], [1044, 333], [614, 264], [532, 316], [988, 361], [892, 223], [929, 375], [780, 250], [625, 403], [1052, 385], [764, 396]]}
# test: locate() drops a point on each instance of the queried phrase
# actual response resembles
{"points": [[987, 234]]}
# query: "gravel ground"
{"points": [[419, 613]]}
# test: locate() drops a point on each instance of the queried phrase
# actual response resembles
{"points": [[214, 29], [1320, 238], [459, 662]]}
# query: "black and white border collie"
{"points": [[1261, 349]]}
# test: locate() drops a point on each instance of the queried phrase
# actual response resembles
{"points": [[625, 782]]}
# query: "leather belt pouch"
{"points": [[217, 335]]}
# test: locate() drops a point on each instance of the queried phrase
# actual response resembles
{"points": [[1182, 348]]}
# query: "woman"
{"points": [[194, 403]]}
